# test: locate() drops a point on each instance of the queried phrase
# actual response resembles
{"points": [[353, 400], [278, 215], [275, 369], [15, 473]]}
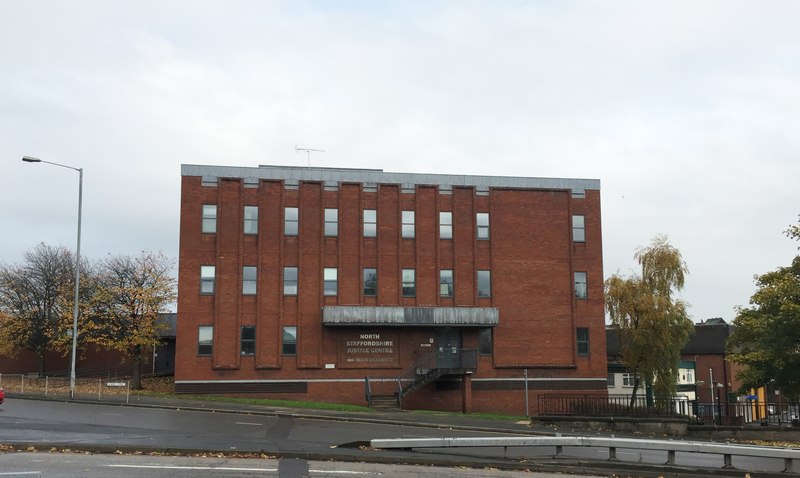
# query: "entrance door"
{"points": [[448, 348]]}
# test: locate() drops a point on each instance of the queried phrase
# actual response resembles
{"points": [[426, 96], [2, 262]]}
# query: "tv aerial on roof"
{"points": [[308, 152]]}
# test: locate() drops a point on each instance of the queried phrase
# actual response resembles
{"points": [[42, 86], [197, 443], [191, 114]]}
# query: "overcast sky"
{"points": [[688, 113]]}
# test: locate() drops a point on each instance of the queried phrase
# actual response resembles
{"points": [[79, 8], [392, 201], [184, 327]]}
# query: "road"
{"points": [[59, 465], [110, 427]]}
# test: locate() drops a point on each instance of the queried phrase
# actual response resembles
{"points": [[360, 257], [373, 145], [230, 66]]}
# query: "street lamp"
{"points": [[29, 159]]}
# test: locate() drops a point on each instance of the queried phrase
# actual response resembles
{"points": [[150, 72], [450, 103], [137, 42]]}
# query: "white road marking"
{"points": [[174, 467], [345, 472], [230, 468], [250, 423]]}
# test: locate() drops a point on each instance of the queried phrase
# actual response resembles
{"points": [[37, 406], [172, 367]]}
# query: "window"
{"points": [[205, 340], [249, 275], [251, 219], [330, 281], [248, 342], [290, 281], [408, 224], [331, 222], [582, 335], [580, 286], [289, 341], [409, 284], [482, 220], [370, 282], [209, 218], [370, 223], [207, 276], [611, 379], [485, 342], [446, 283], [628, 379], [578, 228], [484, 284], [445, 225], [290, 221]]}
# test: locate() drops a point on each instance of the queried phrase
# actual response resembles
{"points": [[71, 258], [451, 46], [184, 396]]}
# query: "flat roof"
{"points": [[378, 176]]}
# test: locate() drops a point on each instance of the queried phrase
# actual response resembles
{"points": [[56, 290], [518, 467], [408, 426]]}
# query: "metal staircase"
{"points": [[426, 370]]}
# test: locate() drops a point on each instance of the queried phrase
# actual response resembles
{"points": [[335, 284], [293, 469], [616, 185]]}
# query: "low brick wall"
{"points": [[661, 426], [768, 433]]}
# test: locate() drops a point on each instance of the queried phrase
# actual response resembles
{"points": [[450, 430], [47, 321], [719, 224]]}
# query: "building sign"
{"points": [[368, 350]]}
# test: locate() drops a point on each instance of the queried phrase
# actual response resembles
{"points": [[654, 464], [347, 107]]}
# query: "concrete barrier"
{"points": [[788, 455]]}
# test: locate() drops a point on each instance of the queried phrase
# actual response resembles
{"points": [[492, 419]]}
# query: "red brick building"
{"points": [[300, 282]]}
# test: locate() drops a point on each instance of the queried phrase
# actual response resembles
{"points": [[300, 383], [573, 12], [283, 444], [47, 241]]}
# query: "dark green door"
{"points": [[448, 348]]}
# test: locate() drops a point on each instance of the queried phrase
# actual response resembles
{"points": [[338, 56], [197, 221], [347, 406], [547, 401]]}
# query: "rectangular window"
{"points": [[445, 225], [485, 342], [409, 283], [251, 219], [330, 281], [580, 286], [482, 221], [578, 228], [290, 281], [289, 344], [291, 218], [370, 282], [205, 340], [611, 379], [446, 283], [207, 278], [209, 218], [582, 335], [484, 284], [370, 223], [628, 379], [248, 342], [331, 222], [408, 224], [249, 276]]}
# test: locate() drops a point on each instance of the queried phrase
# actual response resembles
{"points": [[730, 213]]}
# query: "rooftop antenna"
{"points": [[308, 152]]}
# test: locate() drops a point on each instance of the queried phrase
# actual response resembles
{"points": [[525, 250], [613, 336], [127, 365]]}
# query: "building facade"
{"points": [[342, 284]]}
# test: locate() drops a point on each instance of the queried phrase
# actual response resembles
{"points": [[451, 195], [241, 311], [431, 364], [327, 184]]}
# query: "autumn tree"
{"points": [[766, 337], [36, 300], [131, 293], [652, 325]]}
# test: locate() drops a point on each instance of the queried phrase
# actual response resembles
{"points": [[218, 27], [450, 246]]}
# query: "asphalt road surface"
{"points": [[60, 465], [108, 427]]}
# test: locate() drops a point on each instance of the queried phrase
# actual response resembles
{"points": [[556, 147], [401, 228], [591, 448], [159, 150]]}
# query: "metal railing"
{"points": [[609, 405], [106, 390], [718, 413]]}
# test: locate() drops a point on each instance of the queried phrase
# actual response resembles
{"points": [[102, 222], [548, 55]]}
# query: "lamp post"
{"points": [[29, 159]]}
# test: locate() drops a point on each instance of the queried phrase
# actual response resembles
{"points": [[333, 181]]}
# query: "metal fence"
{"points": [[608, 405], [107, 390], [719, 413]]}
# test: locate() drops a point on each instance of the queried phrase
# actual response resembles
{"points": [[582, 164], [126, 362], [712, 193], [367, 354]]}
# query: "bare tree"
{"points": [[36, 301], [131, 293]]}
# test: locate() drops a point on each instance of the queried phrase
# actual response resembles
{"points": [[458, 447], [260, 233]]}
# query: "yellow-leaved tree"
{"points": [[131, 292], [653, 326]]}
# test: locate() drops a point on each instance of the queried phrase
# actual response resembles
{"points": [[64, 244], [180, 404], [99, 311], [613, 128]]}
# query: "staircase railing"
{"points": [[427, 369]]}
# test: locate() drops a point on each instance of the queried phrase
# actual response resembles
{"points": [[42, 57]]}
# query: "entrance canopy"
{"points": [[352, 316]]}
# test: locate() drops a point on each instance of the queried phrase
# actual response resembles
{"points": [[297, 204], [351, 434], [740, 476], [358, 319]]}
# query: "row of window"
{"points": [[205, 341], [330, 279], [291, 223]]}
